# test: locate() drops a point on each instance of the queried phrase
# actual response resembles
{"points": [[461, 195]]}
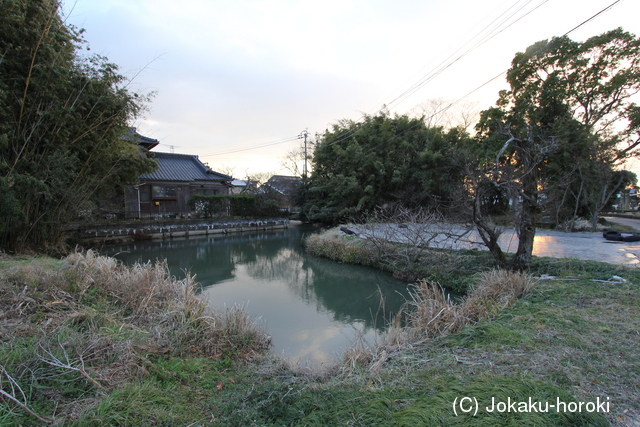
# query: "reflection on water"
{"points": [[312, 307]]}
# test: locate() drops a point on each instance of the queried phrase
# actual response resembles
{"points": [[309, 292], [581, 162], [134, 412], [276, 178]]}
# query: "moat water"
{"points": [[313, 308]]}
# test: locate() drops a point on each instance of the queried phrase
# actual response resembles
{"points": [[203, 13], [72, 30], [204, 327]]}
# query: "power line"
{"points": [[593, 17], [172, 148], [255, 147], [495, 27], [348, 134], [541, 49]]}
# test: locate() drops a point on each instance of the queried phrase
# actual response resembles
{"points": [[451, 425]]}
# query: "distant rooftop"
{"points": [[143, 141], [182, 167], [286, 185]]}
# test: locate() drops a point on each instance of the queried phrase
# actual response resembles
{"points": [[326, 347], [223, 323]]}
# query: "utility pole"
{"points": [[172, 148], [304, 135]]}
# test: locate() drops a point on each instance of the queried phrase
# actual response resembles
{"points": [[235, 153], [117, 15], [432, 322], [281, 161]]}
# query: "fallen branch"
{"points": [[55, 361], [11, 396]]}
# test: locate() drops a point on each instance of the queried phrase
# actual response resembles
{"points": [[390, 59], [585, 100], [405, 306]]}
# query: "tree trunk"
{"points": [[525, 223], [526, 230], [488, 234]]}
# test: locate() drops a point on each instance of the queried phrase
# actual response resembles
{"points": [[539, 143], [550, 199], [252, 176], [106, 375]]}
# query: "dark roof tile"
{"points": [[287, 185], [143, 141], [182, 167]]}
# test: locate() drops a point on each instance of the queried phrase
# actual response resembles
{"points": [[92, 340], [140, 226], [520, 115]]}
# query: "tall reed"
{"points": [[431, 313], [170, 308]]}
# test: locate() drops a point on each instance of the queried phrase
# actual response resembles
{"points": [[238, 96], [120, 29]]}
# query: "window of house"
{"points": [[163, 192]]}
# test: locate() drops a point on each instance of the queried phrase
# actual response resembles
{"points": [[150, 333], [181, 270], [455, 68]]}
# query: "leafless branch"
{"points": [[504, 148], [400, 234], [72, 365], [16, 390]]}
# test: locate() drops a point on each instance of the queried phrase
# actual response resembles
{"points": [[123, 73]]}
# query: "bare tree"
{"points": [[401, 235], [517, 174], [293, 161], [448, 113], [255, 180], [466, 114], [435, 112], [225, 169]]}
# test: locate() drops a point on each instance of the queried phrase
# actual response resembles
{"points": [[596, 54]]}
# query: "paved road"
{"points": [[584, 245], [629, 222], [587, 246]]}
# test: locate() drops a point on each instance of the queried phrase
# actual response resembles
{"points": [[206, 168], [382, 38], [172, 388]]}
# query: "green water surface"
{"points": [[313, 308]]}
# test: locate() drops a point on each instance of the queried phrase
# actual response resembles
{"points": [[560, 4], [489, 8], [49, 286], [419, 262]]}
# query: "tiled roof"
{"points": [[143, 141], [287, 185], [182, 167]]}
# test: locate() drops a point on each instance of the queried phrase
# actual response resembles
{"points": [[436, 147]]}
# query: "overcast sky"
{"points": [[251, 75]]}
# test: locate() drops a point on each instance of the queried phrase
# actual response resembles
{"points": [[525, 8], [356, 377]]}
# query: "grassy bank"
{"points": [[82, 336], [453, 269], [573, 337], [577, 331]]}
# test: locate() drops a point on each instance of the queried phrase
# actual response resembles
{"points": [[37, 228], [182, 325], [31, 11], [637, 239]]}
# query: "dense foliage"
{"points": [[556, 139], [575, 99], [384, 160], [62, 117], [552, 146]]}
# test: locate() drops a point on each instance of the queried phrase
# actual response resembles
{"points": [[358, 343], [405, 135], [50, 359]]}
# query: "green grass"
{"points": [[7, 262], [428, 402], [455, 270], [571, 338], [92, 340]]}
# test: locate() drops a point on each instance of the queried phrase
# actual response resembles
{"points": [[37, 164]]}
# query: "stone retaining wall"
{"points": [[130, 232]]}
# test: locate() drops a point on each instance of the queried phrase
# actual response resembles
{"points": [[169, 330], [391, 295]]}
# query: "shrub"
{"points": [[243, 205], [209, 206]]}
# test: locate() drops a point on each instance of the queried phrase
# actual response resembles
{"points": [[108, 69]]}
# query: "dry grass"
{"points": [[431, 313], [92, 322], [26, 290], [496, 290], [359, 354], [406, 262], [170, 309], [145, 290], [333, 244]]}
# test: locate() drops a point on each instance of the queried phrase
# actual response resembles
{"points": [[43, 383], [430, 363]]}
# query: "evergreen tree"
{"points": [[383, 160], [562, 130], [62, 121]]}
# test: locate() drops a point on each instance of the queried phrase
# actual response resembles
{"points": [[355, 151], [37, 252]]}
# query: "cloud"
{"points": [[228, 72]]}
